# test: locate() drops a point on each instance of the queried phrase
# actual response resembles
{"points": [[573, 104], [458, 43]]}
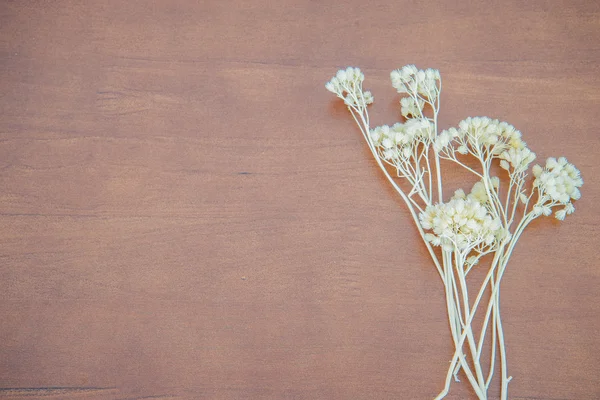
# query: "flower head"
{"points": [[517, 158], [559, 180], [410, 108], [410, 79], [482, 134], [398, 141], [347, 85], [461, 224]]}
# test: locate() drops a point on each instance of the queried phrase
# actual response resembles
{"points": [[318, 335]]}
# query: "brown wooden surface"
{"points": [[187, 213]]}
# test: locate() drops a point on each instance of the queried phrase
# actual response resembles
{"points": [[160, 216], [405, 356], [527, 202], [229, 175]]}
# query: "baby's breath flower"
{"points": [[411, 108], [479, 193], [523, 198], [559, 180], [410, 79], [481, 133], [462, 149], [331, 87], [461, 224], [398, 141], [570, 208], [459, 194], [421, 129], [495, 181], [517, 158], [347, 85], [560, 214], [442, 140]]}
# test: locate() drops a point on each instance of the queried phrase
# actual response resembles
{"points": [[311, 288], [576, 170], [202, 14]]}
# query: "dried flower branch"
{"points": [[467, 227]]}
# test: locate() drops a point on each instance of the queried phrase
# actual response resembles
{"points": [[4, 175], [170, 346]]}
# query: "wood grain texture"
{"points": [[187, 214]]}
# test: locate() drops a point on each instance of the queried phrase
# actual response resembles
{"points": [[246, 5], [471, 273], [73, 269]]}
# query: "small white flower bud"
{"points": [[551, 163], [375, 135], [546, 210], [350, 73], [459, 194], [329, 86], [562, 161], [368, 97]]}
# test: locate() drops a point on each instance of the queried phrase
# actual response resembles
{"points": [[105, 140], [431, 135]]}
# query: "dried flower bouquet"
{"points": [[486, 221]]}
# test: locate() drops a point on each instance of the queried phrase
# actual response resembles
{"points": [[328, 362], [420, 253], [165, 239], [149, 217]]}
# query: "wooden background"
{"points": [[187, 213]]}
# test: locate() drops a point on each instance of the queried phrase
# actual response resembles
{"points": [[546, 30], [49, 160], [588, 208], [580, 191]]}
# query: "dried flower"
{"points": [[461, 225], [560, 180], [467, 226]]}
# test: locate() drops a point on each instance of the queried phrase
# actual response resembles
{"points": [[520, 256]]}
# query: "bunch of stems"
{"points": [[454, 264]]}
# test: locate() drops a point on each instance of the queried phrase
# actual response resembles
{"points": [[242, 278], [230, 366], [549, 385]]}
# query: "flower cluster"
{"points": [[479, 134], [347, 85], [410, 79], [399, 140], [411, 108], [460, 224], [558, 183], [517, 158], [478, 192]]}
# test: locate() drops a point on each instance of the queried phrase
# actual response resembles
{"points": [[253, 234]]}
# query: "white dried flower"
{"points": [[546, 210], [459, 194], [519, 159], [421, 129], [347, 85], [461, 224], [479, 193], [484, 132], [410, 79], [523, 198], [442, 140], [570, 208], [397, 143], [559, 180], [331, 87], [495, 181], [410, 108]]}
